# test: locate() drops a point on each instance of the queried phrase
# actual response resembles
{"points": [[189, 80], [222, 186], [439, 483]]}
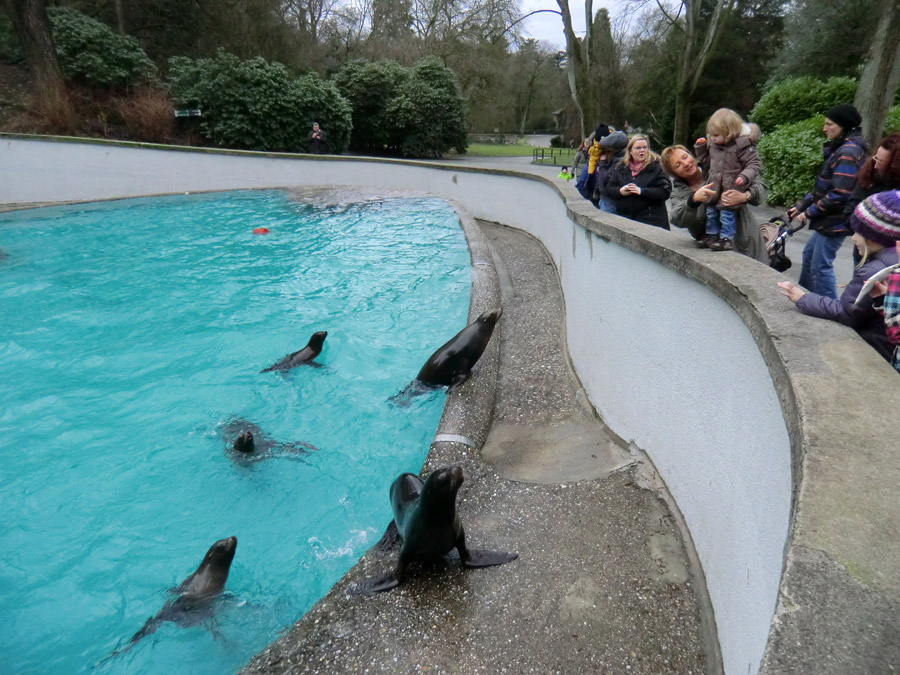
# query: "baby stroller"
{"points": [[775, 234]]}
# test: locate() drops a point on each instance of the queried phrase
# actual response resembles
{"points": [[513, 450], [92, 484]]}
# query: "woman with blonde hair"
{"points": [[691, 193], [638, 185]]}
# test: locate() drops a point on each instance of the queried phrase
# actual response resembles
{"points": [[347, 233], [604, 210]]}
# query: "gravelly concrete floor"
{"points": [[602, 583]]}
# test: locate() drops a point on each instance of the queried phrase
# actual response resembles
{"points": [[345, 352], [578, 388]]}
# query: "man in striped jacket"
{"points": [[823, 208]]}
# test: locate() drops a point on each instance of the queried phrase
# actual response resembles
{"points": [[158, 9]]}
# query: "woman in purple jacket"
{"points": [[876, 227]]}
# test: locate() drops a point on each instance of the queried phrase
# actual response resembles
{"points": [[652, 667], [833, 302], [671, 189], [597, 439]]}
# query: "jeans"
{"points": [[720, 223], [606, 206], [817, 273]]}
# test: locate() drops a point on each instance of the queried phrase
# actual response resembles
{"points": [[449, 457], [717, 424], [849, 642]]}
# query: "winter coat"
{"points": [[891, 309], [692, 215], [578, 161], [649, 206], [835, 183], [723, 164], [864, 319], [604, 166], [594, 153]]}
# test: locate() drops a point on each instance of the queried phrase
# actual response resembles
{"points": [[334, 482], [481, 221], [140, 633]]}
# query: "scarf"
{"points": [[635, 168]]}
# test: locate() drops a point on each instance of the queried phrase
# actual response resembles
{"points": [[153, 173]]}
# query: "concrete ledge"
{"points": [[788, 485]]}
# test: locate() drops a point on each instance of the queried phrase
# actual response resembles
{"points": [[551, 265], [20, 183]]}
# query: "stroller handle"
{"points": [[785, 230]]}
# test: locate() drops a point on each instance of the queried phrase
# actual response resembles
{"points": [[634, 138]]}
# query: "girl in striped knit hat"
{"points": [[876, 227]]}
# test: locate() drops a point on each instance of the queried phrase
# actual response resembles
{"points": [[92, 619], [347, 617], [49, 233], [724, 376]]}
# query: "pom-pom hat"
{"points": [[877, 218]]}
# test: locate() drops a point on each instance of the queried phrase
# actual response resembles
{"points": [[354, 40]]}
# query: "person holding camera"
{"points": [[318, 142]]}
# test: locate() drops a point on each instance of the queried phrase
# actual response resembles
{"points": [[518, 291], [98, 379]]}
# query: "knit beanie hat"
{"points": [[877, 218], [601, 131], [845, 115], [617, 140]]}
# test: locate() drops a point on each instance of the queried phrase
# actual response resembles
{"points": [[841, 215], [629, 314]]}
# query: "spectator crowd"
{"points": [[709, 191]]}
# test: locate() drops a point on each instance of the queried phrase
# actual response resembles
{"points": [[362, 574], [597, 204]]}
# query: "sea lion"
{"points": [[305, 355], [426, 519], [452, 363], [195, 596], [247, 442]]}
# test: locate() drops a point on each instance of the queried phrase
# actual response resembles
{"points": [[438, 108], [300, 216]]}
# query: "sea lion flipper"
{"points": [[459, 378], [474, 558], [380, 584], [390, 538], [488, 558]]}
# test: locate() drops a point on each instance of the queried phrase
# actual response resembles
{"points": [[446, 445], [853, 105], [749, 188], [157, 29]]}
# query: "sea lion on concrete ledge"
{"points": [[425, 517], [452, 363], [305, 355], [195, 597]]}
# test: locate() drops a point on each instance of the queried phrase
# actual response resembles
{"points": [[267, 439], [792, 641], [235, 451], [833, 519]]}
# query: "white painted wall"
{"points": [[667, 363]]}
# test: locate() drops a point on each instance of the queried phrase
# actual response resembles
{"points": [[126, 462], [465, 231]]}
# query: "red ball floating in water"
{"points": [[261, 230]]}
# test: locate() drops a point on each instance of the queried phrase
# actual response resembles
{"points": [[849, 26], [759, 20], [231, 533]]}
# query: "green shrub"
{"points": [[257, 105], [799, 98], [791, 156], [90, 52], [428, 115], [10, 48], [370, 87], [892, 122]]}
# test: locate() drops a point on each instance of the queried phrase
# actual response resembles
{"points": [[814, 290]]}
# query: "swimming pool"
{"points": [[133, 333]]}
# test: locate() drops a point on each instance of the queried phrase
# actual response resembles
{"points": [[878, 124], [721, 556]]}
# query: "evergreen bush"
{"points": [[791, 156], [10, 48], [799, 98], [428, 115], [256, 105], [90, 52], [370, 87], [892, 122]]}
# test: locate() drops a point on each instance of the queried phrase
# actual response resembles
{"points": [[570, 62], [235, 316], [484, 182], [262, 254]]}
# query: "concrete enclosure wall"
{"points": [[676, 354]]}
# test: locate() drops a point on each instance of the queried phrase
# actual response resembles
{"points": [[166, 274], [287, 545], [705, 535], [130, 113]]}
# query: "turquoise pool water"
{"points": [[131, 333]]}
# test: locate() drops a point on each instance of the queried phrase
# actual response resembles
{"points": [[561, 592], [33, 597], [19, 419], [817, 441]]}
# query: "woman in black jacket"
{"points": [[638, 185]]}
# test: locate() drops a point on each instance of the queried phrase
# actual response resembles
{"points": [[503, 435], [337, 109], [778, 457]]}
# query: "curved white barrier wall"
{"points": [[667, 363]]}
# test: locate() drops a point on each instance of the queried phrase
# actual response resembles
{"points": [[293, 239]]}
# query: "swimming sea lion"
{"points": [[195, 595], [305, 355], [452, 363], [248, 442], [425, 517]]}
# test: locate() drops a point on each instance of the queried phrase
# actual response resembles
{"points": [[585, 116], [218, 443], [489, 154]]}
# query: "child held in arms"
{"points": [[728, 155], [564, 173]]}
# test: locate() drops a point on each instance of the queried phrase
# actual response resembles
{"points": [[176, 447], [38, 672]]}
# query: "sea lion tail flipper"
{"points": [[404, 397], [149, 627], [377, 585], [213, 627], [486, 558]]}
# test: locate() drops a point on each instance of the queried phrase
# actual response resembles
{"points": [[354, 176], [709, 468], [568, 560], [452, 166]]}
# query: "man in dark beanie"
{"points": [[823, 208]]}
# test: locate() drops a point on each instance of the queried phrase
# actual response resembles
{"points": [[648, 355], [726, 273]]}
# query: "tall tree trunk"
{"points": [[33, 27], [577, 63], [880, 77], [698, 46], [120, 17]]}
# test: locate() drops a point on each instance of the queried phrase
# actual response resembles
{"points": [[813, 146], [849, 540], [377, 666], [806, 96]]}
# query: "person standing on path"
{"points": [[823, 208]]}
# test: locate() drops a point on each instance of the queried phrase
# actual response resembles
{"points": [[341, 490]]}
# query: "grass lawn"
{"points": [[521, 149]]}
